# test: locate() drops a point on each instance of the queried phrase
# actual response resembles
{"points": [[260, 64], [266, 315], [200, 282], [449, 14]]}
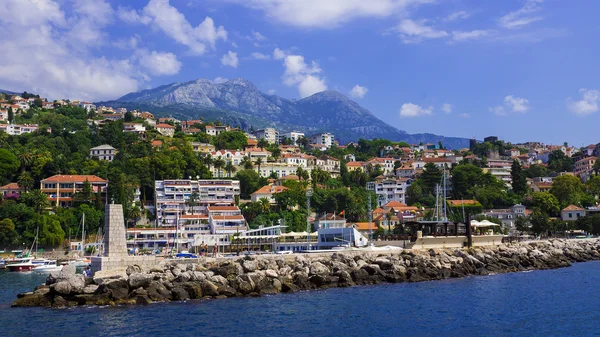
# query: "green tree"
{"points": [[249, 182], [218, 164], [85, 196], [559, 162], [265, 204], [229, 167], [9, 164], [35, 199], [522, 224], [8, 234], [464, 176], [302, 173], [246, 163], [540, 222], [567, 189], [431, 176], [192, 201], [236, 140], [593, 185], [519, 180], [546, 203], [262, 143], [25, 181]]}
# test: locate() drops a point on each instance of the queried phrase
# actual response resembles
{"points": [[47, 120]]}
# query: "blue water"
{"points": [[561, 302]]}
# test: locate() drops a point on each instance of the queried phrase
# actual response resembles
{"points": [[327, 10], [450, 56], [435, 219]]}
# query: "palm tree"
{"points": [[25, 181], [36, 199], [258, 162], [265, 204], [388, 217], [134, 213], [192, 201], [262, 143], [26, 158], [229, 168], [218, 165], [247, 163]]}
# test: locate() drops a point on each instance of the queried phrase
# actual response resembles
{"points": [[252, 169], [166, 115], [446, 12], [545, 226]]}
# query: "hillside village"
{"points": [[181, 181]]}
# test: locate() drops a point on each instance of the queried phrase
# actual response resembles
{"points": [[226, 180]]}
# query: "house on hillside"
{"points": [[572, 213]]}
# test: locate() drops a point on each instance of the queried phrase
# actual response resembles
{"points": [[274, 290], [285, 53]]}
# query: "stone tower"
{"points": [[115, 244]]}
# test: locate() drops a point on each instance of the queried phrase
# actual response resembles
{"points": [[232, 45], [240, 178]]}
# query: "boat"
{"points": [[48, 266], [81, 262], [25, 264]]}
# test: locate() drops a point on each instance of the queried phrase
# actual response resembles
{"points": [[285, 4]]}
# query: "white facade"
{"points": [[18, 129], [324, 138], [390, 189], [103, 152], [292, 135], [269, 134]]}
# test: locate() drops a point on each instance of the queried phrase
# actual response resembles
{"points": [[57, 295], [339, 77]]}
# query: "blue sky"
{"points": [[524, 70]]}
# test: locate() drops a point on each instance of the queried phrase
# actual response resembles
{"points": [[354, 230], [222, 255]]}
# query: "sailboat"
{"points": [[81, 261]]}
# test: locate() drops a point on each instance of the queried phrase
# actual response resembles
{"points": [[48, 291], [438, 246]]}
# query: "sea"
{"points": [[561, 302]]}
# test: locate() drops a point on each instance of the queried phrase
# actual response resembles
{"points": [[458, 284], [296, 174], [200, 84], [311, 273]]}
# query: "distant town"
{"points": [[188, 183]]}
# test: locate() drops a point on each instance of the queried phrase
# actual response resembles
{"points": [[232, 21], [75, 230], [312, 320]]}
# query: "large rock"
{"points": [[62, 288], [158, 292], [179, 294], [137, 280], [32, 300], [209, 288], [249, 266], [317, 268], [117, 289]]}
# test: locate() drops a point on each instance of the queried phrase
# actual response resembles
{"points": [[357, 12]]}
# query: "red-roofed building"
{"points": [[165, 129], [61, 188], [267, 192], [572, 213], [11, 190]]}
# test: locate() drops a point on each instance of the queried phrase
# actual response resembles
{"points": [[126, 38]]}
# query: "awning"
{"points": [[483, 223]]}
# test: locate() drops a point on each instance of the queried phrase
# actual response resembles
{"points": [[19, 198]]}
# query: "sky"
{"points": [[522, 70]]}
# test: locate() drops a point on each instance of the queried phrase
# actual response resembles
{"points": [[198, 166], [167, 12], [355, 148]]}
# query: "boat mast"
{"points": [[83, 235]]}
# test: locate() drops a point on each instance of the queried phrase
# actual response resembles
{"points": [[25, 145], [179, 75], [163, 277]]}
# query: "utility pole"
{"points": [[309, 193], [370, 185]]}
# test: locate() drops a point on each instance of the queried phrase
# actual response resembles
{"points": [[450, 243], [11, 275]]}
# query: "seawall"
{"points": [[260, 275]]}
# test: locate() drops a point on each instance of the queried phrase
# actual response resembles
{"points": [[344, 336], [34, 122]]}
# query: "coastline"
{"points": [[261, 275]]}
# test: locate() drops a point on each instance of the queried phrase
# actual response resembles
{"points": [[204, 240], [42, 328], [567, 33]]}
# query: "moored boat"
{"points": [[25, 264], [48, 266]]}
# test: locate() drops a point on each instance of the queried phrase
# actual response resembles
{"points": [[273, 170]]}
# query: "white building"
{"points": [[166, 129], [501, 169], [172, 197], [324, 138], [18, 129], [215, 130], [269, 134], [292, 135], [280, 169], [390, 189], [103, 152]]}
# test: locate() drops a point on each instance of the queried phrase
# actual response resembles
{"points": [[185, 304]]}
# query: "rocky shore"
{"points": [[260, 275]]}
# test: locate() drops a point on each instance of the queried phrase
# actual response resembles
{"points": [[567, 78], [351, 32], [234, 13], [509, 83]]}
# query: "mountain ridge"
{"points": [[239, 102]]}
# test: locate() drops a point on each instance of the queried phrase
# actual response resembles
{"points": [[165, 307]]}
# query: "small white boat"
{"points": [[48, 266], [80, 262], [25, 264]]}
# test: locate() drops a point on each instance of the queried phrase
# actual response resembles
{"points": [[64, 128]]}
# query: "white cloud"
{"points": [[159, 63], [279, 54], [412, 31], [447, 108], [220, 80], [159, 14], [304, 76], [358, 91], [258, 36], [413, 110], [132, 16], [271, 91], [517, 104], [511, 104], [230, 59], [329, 13], [470, 35], [234, 45], [498, 110], [464, 115], [87, 20], [260, 56], [460, 15], [523, 16], [43, 59], [586, 106]]}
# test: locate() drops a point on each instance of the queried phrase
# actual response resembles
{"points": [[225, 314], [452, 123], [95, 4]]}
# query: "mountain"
{"points": [[9, 92], [238, 102]]}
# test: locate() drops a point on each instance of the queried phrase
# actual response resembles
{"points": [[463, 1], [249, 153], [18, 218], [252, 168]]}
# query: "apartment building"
{"points": [[390, 189], [103, 152], [269, 134], [61, 188], [292, 135], [325, 138]]}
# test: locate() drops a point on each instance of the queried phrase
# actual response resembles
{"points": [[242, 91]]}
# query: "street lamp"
{"points": [[309, 193]]}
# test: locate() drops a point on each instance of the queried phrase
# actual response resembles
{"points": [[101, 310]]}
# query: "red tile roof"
{"points": [[11, 186], [573, 208], [223, 208], [74, 178]]}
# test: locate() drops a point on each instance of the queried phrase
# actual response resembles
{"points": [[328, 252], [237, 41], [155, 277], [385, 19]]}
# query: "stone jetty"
{"points": [[259, 275]]}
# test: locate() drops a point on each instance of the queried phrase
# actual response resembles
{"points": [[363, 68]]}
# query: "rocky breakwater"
{"points": [[255, 276]]}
